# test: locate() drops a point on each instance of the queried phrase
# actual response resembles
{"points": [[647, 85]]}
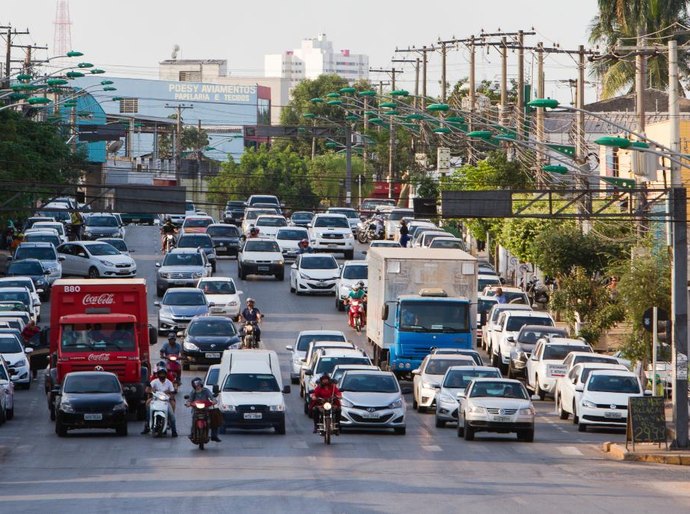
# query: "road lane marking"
{"points": [[570, 451], [432, 448]]}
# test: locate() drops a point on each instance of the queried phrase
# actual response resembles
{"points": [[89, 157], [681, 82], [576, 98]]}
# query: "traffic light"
{"points": [[664, 331]]}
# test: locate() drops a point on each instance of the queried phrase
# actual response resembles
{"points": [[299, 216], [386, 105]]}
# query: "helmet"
{"points": [[196, 382], [171, 336], [304, 242], [324, 376], [253, 230], [160, 368], [250, 300], [360, 283]]}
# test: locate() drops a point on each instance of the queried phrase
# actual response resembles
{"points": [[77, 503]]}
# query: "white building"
{"points": [[316, 57]]}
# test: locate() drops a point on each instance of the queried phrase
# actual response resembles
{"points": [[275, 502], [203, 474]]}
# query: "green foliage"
{"points": [[580, 297], [194, 139], [33, 153], [281, 172], [427, 187], [488, 88], [519, 236], [327, 178]]}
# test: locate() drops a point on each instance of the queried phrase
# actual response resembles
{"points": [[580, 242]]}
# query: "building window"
{"points": [[263, 112], [190, 76], [129, 106]]}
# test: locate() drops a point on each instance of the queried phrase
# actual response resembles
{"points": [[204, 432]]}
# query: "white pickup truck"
{"points": [[545, 365]]}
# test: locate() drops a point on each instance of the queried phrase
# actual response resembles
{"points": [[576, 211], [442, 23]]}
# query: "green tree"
{"points": [[327, 178], [488, 88], [194, 139], [626, 20]]}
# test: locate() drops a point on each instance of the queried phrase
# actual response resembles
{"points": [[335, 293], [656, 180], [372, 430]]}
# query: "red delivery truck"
{"points": [[101, 324]]}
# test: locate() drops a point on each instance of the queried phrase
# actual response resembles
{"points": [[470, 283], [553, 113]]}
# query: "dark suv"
{"points": [[234, 212], [226, 238], [202, 241]]}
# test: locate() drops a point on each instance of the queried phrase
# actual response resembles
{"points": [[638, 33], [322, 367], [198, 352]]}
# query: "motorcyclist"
{"points": [[303, 247], [168, 228], [326, 390], [171, 347], [253, 233], [161, 385], [356, 293], [379, 226], [200, 393], [252, 314]]}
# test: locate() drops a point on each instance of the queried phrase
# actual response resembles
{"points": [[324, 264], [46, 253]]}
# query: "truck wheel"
{"points": [[280, 276], [349, 255], [93, 272], [469, 432], [280, 428]]}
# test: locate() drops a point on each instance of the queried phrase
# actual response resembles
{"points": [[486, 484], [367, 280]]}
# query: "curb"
{"points": [[616, 451]]}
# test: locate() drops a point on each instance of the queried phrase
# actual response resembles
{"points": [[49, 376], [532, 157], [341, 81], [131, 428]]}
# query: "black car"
{"points": [[226, 238], [234, 212], [525, 341], [202, 241], [90, 399], [206, 338], [101, 225], [33, 269], [301, 218]]}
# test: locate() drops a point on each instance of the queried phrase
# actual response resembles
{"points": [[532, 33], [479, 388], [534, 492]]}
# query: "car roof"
{"points": [[18, 277], [46, 232], [222, 225], [195, 234], [589, 354], [473, 368], [103, 214], [198, 216], [363, 367], [543, 328], [342, 352], [89, 374], [184, 250], [488, 298], [356, 263], [270, 216], [600, 365], [314, 255], [31, 260], [324, 332], [36, 244], [566, 341], [506, 289], [13, 290], [449, 356], [529, 314], [87, 243], [216, 279], [329, 215], [512, 307], [503, 380], [615, 372], [369, 372], [183, 290], [486, 275]]}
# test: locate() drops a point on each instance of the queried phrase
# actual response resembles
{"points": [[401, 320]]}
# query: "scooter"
{"points": [[201, 421], [169, 243], [159, 414], [356, 314], [249, 340], [174, 369]]}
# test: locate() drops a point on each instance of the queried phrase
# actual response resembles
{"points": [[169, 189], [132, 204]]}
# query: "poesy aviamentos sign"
{"points": [[193, 92]]}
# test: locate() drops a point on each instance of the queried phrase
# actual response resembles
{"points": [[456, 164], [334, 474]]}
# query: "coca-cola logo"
{"points": [[99, 357], [98, 299]]}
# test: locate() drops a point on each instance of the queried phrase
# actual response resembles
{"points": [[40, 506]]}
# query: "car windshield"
{"points": [[19, 282], [289, 234], [485, 305], [355, 272], [229, 231], [102, 249], [212, 327], [18, 296], [91, 384], [25, 268], [302, 216], [43, 238], [369, 383], [264, 199], [10, 345], [252, 215], [251, 382], [303, 342], [499, 390], [197, 222], [261, 246], [326, 364], [217, 287], [55, 226], [600, 359], [613, 384], [587, 371], [183, 259], [81, 337], [398, 215], [118, 244], [57, 215], [319, 262], [101, 221], [348, 213], [558, 352], [532, 335], [440, 366], [331, 222], [271, 222], [42, 253], [458, 379], [484, 282], [437, 316], [515, 323], [184, 298], [200, 241], [447, 243]]}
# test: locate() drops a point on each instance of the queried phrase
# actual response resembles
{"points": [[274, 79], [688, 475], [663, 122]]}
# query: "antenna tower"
{"points": [[62, 37]]}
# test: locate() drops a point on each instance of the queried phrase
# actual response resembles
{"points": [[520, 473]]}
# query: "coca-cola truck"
{"points": [[101, 324]]}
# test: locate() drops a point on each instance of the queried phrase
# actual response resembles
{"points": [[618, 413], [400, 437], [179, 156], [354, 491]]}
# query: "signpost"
{"points": [[646, 421]]}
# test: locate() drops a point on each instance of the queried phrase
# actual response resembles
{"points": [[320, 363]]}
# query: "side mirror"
{"points": [[157, 303], [533, 357], [179, 334], [648, 392], [39, 291], [153, 335], [294, 266], [46, 272], [308, 225], [308, 373], [12, 371], [502, 280], [239, 292], [286, 389], [460, 396], [211, 304], [216, 389], [54, 390], [535, 397], [131, 251], [289, 348], [579, 388], [158, 265], [510, 339], [61, 258], [9, 258], [384, 312], [416, 371], [28, 350]]}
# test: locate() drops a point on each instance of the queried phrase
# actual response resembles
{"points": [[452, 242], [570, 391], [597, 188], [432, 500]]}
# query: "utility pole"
{"points": [[519, 119], [504, 82], [424, 61], [640, 85], [580, 143], [473, 95], [391, 72], [348, 165], [178, 135], [444, 52], [9, 35], [540, 110], [416, 75]]}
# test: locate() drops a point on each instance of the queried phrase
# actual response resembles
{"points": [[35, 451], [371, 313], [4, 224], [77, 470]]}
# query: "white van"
{"points": [[251, 390]]}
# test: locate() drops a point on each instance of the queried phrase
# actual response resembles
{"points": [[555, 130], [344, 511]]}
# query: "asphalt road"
{"points": [[428, 469]]}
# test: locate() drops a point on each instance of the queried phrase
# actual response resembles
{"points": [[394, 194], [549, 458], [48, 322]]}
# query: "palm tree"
{"points": [[626, 21]]}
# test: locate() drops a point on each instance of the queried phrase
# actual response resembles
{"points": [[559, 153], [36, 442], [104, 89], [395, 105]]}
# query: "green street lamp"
{"points": [[438, 107], [351, 117], [442, 130], [400, 92], [621, 142], [388, 105], [333, 95], [70, 103], [392, 112], [414, 116], [335, 102], [546, 103], [331, 145], [24, 77], [480, 134], [367, 92], [309, 115], [38, 100], [555, 168], [74, 74], [15, 97], [106, 82], [316, 100], [347, 90], [117, 98], [56, 82], [455, 119], [109, 88], [96, 71], [371, 113], [74, 53], [376, 121], [84, 65]]}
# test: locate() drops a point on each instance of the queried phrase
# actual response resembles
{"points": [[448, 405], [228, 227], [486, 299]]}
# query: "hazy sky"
{"points": [[129, 37]]}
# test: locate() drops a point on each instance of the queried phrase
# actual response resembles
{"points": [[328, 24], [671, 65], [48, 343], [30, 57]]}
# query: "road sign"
{"points": [[647, 318]]}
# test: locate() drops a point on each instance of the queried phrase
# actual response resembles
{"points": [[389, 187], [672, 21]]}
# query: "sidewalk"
{"points": [[645, 452]]}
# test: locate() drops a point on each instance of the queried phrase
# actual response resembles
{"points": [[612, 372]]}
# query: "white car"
{"points": [[6, 389], [250, 216], [288, 238], [545, 365], [574, 358], [298, 351], [17, 358], [496, 405], [427, 237], [487, 280], [212, 377], [269, 224], [567, 397], [349, 213], [447, 243], [312, 273], [28, 284], [351, 273], [314, 349], [222, 293], [604, 400], [491, 325], [511, 294], [55, 225], [260, 257], [392, 223], [384, 244], [332, 233], [454, 382], [324, 361], [428, 377], [94, 259], [372, 399], [507, 328]]}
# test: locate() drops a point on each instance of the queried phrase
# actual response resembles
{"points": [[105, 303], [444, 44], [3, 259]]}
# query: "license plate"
{"points": [[370, 415], [217, 309], [263, 268], [93, 417], [501, 419], [613, 414], [253, 415], [123, 272], [214, 355], [332, 245]]}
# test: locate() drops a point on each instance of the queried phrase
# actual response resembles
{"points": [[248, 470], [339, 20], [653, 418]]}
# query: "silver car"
{"points": [[178, 307], [182, 267], [454, 382], [372, 399]]}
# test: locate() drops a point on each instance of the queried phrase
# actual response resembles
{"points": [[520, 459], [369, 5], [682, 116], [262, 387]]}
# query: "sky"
{"points": [[130, 37]]}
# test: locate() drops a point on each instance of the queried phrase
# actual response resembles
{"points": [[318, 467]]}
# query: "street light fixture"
{"points": [[74, 53], [74, 74], [84, 65]]}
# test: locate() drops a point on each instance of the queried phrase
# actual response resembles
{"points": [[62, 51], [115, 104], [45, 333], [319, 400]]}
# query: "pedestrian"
{"points": [[77, 223], [500, 296], [404, 234]]}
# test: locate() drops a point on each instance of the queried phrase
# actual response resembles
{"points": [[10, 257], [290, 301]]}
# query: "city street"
{"points": [[428, 469]]}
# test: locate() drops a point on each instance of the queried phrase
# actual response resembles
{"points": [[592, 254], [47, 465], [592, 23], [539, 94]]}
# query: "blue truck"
{"points": [[419, 299]]}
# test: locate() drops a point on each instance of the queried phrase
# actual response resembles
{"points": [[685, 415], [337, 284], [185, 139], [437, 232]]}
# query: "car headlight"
{"points": [[476, 409], [346, 403], [280, 262], [107, 263], [396, 404], [19, 364], [197, 274], [120, 406], [248, 261], [40, 281], [191, 347], [304, 277], [227, 408], [277, 408], [66, 407], [445, 397], [529, 411], [588, 404], [429, 385], [233, 303], [349, 236], [164, 275]]}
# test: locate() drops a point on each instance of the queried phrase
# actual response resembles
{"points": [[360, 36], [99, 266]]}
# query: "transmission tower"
{"points": [[62, 37]]}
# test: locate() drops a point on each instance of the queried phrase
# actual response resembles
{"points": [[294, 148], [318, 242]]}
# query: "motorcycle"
{"points": [[538, 291], [169, 243], [158, 420], [249, 339], [370, 230], [201, 421], [357, 314], [328, 425], [174, 370]]}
